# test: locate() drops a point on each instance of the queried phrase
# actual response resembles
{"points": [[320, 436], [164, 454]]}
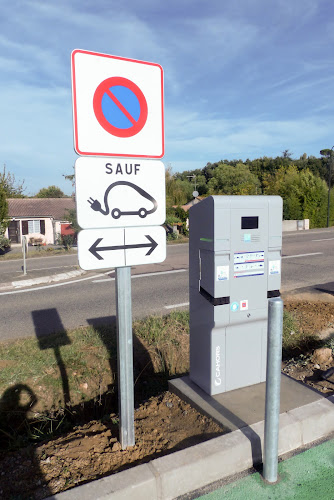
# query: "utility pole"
{"points": [[195, 193]]}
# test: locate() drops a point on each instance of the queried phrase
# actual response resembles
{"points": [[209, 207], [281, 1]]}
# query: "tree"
{"points": [[4, 242], [304, 194], [230, 180], [178, 192], [328, 155], [71, 216], [3, 208], [13, 188], [50, 192]]}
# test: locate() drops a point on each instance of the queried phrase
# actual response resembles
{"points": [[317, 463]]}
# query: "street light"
{"points": [[195, 193]]}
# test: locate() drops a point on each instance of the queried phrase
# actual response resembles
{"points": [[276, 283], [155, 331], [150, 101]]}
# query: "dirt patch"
{"points": [[163, 424], [315, 318]]}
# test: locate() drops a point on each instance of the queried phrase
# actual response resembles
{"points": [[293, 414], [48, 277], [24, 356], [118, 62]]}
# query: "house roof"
{"points": [[55, 208], [192, 203]]}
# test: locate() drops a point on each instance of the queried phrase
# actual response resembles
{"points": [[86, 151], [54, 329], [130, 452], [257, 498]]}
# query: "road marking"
{"points": [[45, 268], [89, 278], [301, 255], [74, 254], [48, 286], [324, 239], [174, 306], [144, 275]]}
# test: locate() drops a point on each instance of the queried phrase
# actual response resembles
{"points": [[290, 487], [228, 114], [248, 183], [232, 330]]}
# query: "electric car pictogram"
{"points": [[116, 213]]}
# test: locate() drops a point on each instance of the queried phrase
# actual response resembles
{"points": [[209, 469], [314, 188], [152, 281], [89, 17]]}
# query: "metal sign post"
{"points": [[24, 251], [125, 357]]}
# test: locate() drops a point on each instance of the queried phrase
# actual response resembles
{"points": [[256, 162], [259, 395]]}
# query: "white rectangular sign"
{"points": [[130, 246], [118, 192], [117, 106]]}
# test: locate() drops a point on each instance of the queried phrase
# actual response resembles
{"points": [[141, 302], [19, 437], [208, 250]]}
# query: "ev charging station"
{"points": [[234, 268]]}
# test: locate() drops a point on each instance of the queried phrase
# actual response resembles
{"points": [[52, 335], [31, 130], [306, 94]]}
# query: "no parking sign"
{"points": [[117, 106]]}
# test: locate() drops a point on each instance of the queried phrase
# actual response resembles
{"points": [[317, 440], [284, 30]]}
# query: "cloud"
{"points": [[213, 139]]}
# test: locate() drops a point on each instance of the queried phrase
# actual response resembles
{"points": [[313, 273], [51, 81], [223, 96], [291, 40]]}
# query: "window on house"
{"points": [[33, 226]]}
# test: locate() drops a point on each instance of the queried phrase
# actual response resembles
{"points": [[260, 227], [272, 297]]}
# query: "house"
{"points": [[177, 225], [192, 202], [40, 219]]}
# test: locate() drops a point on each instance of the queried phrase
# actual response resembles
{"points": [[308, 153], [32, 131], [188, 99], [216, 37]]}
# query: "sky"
{"points": [[242, 78]]}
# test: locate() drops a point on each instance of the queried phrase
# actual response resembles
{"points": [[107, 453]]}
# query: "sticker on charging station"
{"points": [[243, 305], [234, 306], [274, 267], [223, 273], [248, 264]]}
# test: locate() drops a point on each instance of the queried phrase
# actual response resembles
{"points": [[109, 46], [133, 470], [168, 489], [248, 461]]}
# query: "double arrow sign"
{"points": [[96, 250], [118, 247]]}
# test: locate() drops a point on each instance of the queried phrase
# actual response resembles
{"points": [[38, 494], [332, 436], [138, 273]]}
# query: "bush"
{"points": [[4, 244], [67, 240], [172, 236]]}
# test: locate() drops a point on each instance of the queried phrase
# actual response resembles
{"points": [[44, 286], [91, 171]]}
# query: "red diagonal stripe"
{"points": [[121, 107]]}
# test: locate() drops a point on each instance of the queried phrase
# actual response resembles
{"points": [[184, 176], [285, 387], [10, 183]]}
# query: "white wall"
{"points": [[294, 225]]}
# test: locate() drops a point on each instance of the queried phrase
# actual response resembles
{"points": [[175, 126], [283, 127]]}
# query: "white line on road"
{"points": [[8, 261], [144, 275], [324, 239], [45, 268], [174, 306], [49, 286], [301, 255], [89, 278]]}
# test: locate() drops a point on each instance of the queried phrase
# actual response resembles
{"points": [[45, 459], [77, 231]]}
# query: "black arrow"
{"points": [[94, 249]]}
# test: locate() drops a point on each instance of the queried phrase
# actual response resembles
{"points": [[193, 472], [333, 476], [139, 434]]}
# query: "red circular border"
{"points": [[97, 105]]}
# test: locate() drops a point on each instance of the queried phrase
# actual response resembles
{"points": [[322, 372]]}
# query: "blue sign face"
{"points": [[234, 306], [120, 107]]}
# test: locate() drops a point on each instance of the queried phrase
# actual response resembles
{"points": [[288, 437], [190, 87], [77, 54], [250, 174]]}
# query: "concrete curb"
{"points": [[43, 279], [182, 472]]}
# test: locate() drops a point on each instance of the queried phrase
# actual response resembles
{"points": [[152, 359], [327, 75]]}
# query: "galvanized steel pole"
{"points": [[273, 384], [125, 357], [24, 249]]}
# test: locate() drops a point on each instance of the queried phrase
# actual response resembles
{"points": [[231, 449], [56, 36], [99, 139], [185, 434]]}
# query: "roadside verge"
{"points": [[182, 472]]}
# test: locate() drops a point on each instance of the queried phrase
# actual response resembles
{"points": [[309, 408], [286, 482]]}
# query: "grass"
{"points": [[36, 252], [52, 383], [295, 341]]}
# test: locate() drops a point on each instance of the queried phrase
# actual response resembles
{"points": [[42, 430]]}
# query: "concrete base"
{"points": [[242, 407]]}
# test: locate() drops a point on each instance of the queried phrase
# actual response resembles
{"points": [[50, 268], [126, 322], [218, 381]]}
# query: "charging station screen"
{"points": [[249, 222]]}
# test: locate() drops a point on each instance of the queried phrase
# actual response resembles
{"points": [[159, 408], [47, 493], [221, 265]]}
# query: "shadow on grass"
{"points": [[29, 430], [46, 321], [50, 333]]}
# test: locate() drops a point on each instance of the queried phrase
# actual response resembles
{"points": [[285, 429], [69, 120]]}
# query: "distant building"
{"points": [[192, 202], [40, 219]]}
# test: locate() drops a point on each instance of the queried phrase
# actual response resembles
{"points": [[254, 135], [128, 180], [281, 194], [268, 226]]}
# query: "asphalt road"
{"points": [[307, 260], [91, 298], [307, 264]]}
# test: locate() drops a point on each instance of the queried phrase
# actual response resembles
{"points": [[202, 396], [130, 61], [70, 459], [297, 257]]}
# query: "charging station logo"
{"points": [[218, 380]]}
